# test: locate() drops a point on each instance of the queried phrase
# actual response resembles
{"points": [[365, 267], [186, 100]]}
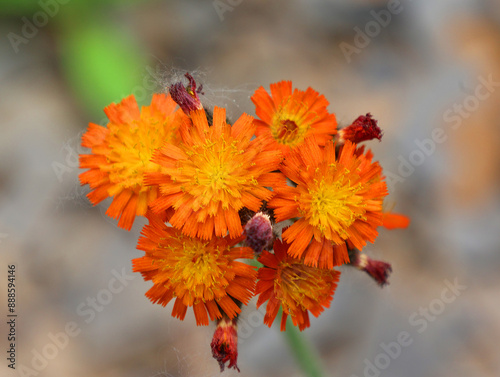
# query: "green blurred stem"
{"points": [[304, 352]]}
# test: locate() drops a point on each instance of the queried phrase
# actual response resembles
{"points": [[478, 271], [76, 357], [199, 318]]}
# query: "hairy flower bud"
{"points": [[186, 96], [225, 343], [259, 232]]}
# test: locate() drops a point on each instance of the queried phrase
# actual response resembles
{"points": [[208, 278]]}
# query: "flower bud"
{"points": [[362, 129], [259, 232], [225, 343], [186, 96], [378, 270]]}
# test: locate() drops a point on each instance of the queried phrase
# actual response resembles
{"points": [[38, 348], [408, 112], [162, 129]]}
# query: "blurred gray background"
{"points": [[427, 70]]}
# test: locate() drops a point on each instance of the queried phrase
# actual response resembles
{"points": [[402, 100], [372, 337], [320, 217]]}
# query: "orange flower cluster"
{"points": [[213, 191]]}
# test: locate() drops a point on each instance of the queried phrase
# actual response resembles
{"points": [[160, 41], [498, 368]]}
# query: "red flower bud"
{"points": [[362, 129], [378, 270], [186, 96], [225, 343], [259, 232]]}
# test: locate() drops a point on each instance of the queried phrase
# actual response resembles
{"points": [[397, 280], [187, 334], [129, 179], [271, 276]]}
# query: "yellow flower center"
{"points": [[216, 176], [216, 172], [332, 205], [301, 285], [198, 272], [132, 149], [288, 129]]}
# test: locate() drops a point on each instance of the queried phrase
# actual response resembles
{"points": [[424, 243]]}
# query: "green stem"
{"points": [[303, 350]]}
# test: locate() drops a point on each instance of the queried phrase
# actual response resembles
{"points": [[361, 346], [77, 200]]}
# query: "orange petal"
{"points": [[200, 313], [125, 112], [118, 204], [128, 215], [179, 310], [395, 220], [280, 91], [95, 135]]}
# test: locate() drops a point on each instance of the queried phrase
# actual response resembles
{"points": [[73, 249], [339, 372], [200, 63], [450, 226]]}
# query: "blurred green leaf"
{"points": [[29, 7], [102, 63], [18, 7]]}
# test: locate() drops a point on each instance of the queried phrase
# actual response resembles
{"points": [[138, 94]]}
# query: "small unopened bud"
{"points": [[259, 232], [378, 270], [225, 343], [186, 96], [362, 129]]}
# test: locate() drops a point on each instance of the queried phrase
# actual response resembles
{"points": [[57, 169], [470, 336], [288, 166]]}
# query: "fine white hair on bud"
{"points": [[259, 232]]}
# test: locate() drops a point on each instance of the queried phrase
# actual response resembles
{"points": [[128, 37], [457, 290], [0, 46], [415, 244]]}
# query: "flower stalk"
{"points": [[303, 351]]}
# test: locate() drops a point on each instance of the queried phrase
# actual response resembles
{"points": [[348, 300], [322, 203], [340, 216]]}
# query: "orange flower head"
{"points": [[198, 273], [295, 287], [338, 199], [121, 154], [213, 173], [288, 118]]}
